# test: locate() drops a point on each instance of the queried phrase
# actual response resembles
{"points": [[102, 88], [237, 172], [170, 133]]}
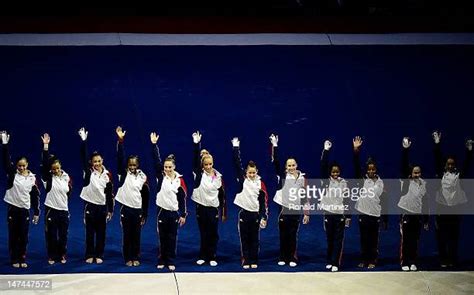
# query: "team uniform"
{"points": [[414, 205], [290, 212], [58, 190], [209, 196], [253, 201], [370, 210], [97, 193], [171, 203], [334, 206], [449, 199], [22, 195], [133, 194]]}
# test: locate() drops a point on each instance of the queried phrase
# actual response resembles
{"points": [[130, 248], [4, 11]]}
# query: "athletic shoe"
{"points": [[16, 265], [371, 266], [129, 263], [281, 263], [253, 265], [200, 262], [213, 263], [293, 264], [136, 263], [24, 265], [171, 267], [328, 266], [99, 260], [413, 267], [160, 266], [246, 266], [50, 261], [63, 260], [334, 268], [405, 268], [361, 265], [89, 260]]}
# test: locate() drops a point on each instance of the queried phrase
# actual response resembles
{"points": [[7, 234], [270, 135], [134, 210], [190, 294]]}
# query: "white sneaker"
{"points": [[328, 266], [281, 263], [200, 262], [213, 263], [406, 268], [160, 266], [334, 268], [16, 265], [413, 267], [89, 260], [253, 265], [293, 264], [99, 260], [246, 266], [171, 267]]}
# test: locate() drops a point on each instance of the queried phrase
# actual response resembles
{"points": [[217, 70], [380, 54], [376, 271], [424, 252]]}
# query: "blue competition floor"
{"points": [[304, 93]]}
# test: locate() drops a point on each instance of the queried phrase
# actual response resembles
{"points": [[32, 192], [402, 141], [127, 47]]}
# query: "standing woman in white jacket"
{"points": [[22, 195], [58, 186], [171, 203]]}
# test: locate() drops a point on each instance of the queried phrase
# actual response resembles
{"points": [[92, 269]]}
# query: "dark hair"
{"points": [[450, 156], [291, 158], [94, 154], [412, 166], [21, 158], [133, 157], [171, 158], [53, 160], [334, 164], [251, 164], [371, 161]]}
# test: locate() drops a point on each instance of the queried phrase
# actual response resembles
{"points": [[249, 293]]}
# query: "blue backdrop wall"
{"points": [[306, 94]]}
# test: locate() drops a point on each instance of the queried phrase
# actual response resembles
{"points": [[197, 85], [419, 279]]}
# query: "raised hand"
{"points": [[327, 145], [182, 221], [154, 137], [5, 137], [406, 142], [45, 138], [357, 142], [35, 219], [263, 223], [469, 144], [235, 142], [83, 133], [274, 139], [436, 136], [120, 133], [197, 137]]}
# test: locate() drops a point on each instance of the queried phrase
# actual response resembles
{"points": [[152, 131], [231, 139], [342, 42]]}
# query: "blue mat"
{"points": [[304, 93]]}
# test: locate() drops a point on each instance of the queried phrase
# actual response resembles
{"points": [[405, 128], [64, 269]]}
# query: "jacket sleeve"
{"points": [[405, 163], [45, 169], [438, 158], [222, 200], [157, 163], [324, 166], [8, 165], [145, 193], [109, 195], [356, 163], [181, 195], [121, 166], [239, 171], [263, 202], [34, 199], [196, 158], [84, 157], [467, 164]]}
